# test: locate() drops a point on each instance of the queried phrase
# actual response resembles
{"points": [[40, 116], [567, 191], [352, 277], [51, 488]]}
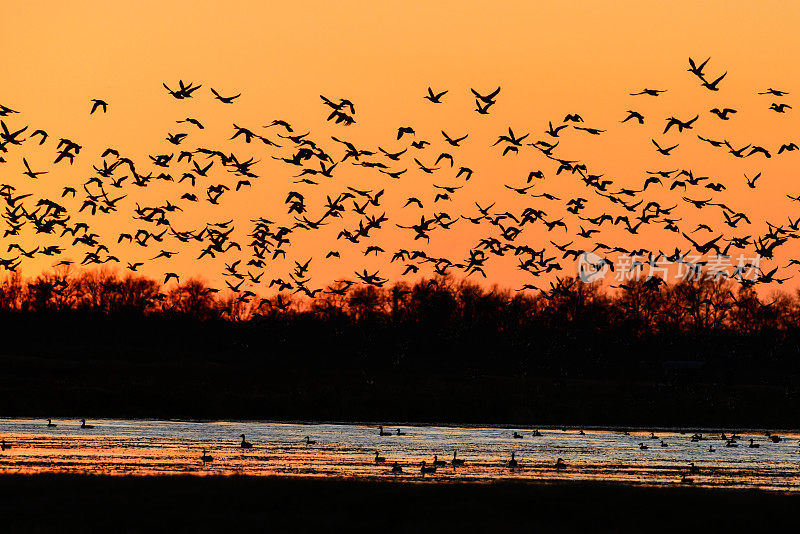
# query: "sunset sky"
{"points": [[549, 60]]}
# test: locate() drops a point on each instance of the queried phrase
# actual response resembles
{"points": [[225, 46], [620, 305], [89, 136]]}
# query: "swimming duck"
{"points": [[457, 461], [424, 468], [512, 463], [245, 444]]}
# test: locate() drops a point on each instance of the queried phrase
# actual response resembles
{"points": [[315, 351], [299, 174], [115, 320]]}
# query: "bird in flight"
{"points": [[436, 98], [664, 151], [634, 115], [192, 121], [650, 92], [672, 121], [97, 103], [697, 70], [184, 91], [225, 99], [593, 131], [29, 172], [6, 111], [779, 108], [452, 141], [723, 113], [486, 99], [774, 92], [712, 86], [751, 182]]}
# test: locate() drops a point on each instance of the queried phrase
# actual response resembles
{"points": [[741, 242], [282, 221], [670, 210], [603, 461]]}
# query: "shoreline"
{"points": [[56, 502]]}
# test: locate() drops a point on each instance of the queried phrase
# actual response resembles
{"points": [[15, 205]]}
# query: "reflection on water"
{"points": [[172, 447]]}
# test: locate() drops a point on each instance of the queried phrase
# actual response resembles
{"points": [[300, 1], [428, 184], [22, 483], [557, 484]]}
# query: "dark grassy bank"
{"points": [[59, 503], [690, 354]]}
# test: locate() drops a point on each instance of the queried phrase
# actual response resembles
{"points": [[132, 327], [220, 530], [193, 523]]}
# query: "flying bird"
{"points": [[436, 98], [225, 99], [96, 103]]}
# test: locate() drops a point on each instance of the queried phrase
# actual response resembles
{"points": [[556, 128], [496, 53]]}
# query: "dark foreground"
{"points": [[58, 503]]}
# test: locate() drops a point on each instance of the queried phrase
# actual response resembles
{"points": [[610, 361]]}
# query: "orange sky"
{"points": [[550, 60]]}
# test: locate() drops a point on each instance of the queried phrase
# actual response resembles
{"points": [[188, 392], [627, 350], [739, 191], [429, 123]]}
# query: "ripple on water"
{"points": [[146, 447]]}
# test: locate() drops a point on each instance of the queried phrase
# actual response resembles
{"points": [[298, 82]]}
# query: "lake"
{"points": [[156, 447]]}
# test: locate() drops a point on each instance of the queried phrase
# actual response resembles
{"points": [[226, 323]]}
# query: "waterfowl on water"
{"points": [[310, 441], [581, 433], [50, 423], [686, 480], [731, 443], [424, 468], [457, 461], [379, 459], [4, 446], [382, 433], [206, 457], [396, 468], [753, 445], [643, 446], [560, 464], [517, 435], [537, 433], [84, 425], [664, 444], [437, 461], [245, 444], [711, 448], [693, 468], [400, 433], [512, 463], [653, 436]]}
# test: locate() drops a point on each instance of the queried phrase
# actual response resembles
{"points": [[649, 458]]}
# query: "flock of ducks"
{"points": [[513, 463]]}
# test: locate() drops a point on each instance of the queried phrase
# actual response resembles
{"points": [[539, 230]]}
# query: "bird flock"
{"points": [[705, 442], [525, 222]]}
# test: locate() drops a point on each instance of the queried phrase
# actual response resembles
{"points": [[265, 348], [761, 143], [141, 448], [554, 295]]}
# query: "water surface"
{"points": [[147, 447]]}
